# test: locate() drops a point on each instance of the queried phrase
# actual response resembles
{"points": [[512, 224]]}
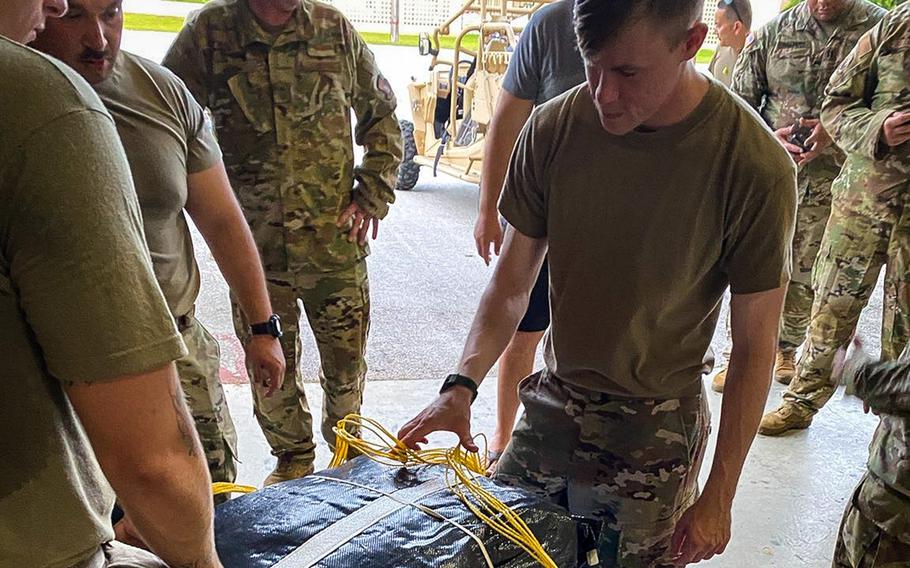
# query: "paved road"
{"points": [[426, 281]]}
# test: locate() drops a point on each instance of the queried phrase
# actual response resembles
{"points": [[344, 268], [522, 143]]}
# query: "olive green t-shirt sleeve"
{"points": [[758, 247], [523, 202], [202, 148], [77, 257]]}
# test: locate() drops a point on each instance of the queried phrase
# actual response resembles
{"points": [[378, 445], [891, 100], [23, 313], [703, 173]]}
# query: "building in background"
{"points": [[423, 15], [414, 15]]}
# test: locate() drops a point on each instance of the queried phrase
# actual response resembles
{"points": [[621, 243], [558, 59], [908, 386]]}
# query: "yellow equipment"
{"points": [[465, 467], [453, 107]]}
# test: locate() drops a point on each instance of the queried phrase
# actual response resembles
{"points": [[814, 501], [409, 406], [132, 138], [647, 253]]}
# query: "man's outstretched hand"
{"points": [[450, 412]]}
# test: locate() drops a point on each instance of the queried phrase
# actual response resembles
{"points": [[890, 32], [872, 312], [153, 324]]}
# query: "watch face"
{"points": [[275, 325]]}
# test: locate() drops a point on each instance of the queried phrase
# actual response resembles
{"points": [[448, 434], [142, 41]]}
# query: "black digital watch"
{"points": [[459, 380], [271, 327]]}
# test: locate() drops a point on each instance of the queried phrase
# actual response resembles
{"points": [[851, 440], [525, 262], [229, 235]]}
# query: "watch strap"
{"points": [[271, 327], [261, 328], [455, 379]]}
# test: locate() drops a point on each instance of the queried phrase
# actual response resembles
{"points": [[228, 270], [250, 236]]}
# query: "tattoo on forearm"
{"points": [[186, 430]]}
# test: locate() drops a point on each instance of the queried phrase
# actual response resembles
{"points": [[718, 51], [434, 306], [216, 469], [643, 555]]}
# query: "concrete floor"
{"points": [[426, 281]]}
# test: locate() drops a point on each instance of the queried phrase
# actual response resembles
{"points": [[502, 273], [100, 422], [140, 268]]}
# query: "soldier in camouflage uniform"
{"points": [[875, 532], [281, 78], [870, 221], [783, 74]]}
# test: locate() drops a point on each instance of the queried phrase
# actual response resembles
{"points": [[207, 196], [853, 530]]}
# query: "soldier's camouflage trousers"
{"points": [[863, 233], [631, 463], [337, 307], [811, 218], [199, 375], [863, 544]]}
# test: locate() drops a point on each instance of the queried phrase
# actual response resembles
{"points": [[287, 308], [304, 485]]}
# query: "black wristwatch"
{"points": [[459, 380], [271, 327]]}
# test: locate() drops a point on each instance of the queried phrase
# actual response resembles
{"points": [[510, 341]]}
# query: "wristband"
{"points": [[454, 380]]}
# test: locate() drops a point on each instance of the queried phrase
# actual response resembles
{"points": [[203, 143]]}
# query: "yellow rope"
{"points": [[221, 488], [462, 470]]}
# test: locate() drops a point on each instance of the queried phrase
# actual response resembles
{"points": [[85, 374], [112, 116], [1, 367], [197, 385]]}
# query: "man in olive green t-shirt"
{"points": [[644, 232], [176, 165], [90, 391]]}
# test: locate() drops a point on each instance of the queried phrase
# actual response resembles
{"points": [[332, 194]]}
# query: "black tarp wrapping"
{"points": [[359, 527]]}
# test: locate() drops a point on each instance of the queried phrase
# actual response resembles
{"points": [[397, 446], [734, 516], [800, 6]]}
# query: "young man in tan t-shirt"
{"points": [[644, 231]]}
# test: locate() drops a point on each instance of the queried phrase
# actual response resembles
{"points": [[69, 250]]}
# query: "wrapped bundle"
{"points": [[368, 515]]}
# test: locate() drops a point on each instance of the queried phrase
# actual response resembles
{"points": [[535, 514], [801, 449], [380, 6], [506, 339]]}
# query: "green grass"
{"points": [[150, 23], [147, 22], [448, 42]]}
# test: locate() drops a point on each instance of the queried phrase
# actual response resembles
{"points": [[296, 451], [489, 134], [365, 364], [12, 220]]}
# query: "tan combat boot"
{"points": [[788, 416], [717, 384], [785, 367], [289, 467]]}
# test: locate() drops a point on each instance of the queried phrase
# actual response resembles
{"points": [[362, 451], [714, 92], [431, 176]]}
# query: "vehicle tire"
{"points": [[408, 171]]}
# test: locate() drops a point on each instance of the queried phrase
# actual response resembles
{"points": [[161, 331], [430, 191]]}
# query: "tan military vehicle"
{"points": [[453, 107]]}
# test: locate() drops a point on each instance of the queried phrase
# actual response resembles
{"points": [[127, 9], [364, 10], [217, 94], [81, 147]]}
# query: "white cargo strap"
{"points": [[331, 538]]}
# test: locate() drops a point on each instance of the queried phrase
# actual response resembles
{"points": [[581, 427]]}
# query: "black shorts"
{"points": [[537, 318]]}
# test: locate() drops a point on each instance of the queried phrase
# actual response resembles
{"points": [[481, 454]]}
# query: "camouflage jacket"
{"points": [[885, 499], [282, 103], [784, 71], [868, 86]]}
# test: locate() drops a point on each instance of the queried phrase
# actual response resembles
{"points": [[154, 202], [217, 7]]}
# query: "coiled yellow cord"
{"points": [[221, 488], [464, 467]]}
